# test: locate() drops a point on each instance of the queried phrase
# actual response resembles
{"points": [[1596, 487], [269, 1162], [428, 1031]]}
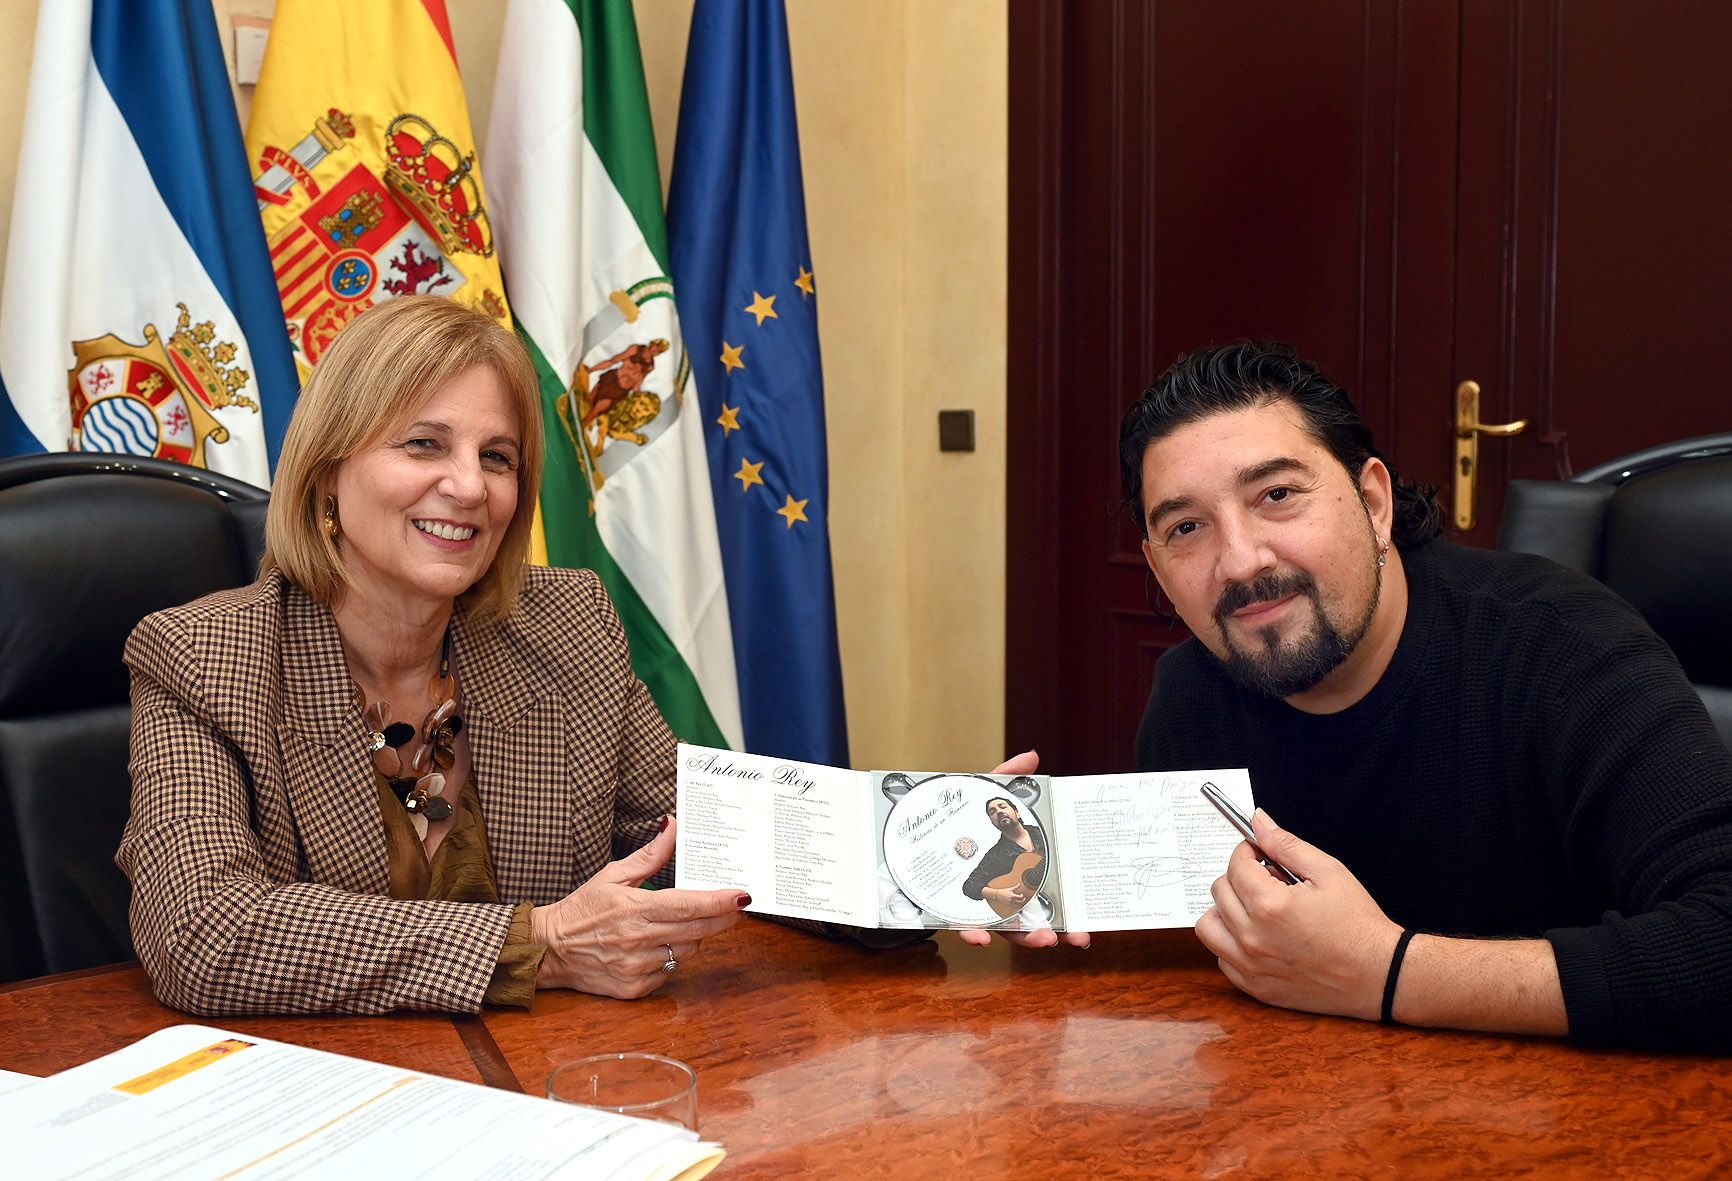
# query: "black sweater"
{"points": [[1001, 859], [1532, 763]]}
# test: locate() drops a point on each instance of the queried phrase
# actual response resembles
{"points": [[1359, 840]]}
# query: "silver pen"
{"points": [[1241, 822]]}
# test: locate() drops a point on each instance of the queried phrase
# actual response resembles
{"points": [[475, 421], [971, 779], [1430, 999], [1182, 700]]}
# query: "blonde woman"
{"points": [[403, 769]]}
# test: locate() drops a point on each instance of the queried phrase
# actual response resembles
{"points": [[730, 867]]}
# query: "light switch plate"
{"points": [[251, 33], [956, 430]]}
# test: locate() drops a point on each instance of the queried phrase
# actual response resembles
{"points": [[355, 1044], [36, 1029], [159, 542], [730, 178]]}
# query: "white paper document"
{"points": [[952, 849], [12, 1081], [196, 1102]]}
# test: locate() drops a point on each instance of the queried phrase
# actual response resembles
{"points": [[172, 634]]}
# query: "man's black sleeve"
{"points": [[984, 871], [1641, 788]]}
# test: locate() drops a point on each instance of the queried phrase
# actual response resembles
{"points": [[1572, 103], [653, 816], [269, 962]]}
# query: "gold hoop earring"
{"points": [[332, 529], [1382, 552]]}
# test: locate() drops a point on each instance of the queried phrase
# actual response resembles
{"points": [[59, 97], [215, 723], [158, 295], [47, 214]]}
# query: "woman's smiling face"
{"points": [[424, 508]]}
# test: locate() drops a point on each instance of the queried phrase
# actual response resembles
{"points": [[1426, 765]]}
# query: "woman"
{"points": [[392, 772]]}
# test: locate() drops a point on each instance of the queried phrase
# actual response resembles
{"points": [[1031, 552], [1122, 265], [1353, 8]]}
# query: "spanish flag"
{"points": [[364, 166]]}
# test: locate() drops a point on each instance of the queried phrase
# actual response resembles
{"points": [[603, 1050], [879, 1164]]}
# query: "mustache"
{"points": [[1262, 589]]}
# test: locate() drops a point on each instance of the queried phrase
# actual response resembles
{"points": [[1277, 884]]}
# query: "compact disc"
{"points": [[941, 845]]}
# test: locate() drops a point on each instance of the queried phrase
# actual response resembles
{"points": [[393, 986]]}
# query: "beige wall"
{"points": [[17, 35], [902, 124]]}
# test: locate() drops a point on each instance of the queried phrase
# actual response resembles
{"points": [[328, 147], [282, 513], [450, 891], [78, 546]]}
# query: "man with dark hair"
{"points": [[1015, 839], [1516, 813]]}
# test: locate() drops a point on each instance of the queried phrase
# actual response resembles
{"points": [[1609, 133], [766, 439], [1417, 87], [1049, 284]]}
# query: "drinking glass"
{"points": [[632, 1083]]}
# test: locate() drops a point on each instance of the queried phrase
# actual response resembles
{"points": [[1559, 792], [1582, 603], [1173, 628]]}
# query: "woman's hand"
{"points": [[1025, 763], [610, 938]]}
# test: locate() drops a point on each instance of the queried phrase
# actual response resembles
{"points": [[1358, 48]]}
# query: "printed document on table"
{"points": [[194, 1102], [11, 1081]]}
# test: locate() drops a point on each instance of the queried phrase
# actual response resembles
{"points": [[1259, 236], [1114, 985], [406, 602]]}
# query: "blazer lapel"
{"points": [[495, 680], [326, 768], [521, 772]]}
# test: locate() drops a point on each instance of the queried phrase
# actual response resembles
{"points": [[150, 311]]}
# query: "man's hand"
{"points": [[611, 938], [1322, 946], [1025, 763]]}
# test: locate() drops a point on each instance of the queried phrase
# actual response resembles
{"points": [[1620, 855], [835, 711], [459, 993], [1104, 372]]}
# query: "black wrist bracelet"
{"points": [[1394, 975]]}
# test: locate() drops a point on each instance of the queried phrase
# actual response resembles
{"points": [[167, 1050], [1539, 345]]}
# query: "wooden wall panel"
{"points": [[1183, 174], [1533, 194]]}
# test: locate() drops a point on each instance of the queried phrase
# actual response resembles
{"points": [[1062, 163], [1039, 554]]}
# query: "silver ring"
{"points": [[672, 962]]}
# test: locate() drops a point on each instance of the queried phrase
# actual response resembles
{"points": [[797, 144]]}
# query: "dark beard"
{"points": [[1281, 671]]}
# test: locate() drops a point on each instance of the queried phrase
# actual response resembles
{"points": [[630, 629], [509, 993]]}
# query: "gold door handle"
{"points": [[1468, 429]]}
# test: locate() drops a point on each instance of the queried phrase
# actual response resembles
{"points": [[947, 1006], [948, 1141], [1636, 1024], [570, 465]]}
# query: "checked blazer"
{"points": [[255, 848]]}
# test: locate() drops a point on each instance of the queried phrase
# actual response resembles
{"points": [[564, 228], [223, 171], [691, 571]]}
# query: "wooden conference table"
{"points": [[1132, 1058]]}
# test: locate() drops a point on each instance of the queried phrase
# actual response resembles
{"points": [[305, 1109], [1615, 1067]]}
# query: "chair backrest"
{"points": [[1656, 527], [89, 545]]}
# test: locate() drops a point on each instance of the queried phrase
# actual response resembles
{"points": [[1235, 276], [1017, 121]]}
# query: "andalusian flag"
{"points": [[364, 166], [578, 207]]}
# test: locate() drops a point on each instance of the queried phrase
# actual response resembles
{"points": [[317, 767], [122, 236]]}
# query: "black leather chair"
{"points": [[1656, 527], [89, 545]]}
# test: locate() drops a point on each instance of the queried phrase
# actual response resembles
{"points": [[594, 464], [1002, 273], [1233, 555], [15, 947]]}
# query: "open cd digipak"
{"points": [[906, 849]]}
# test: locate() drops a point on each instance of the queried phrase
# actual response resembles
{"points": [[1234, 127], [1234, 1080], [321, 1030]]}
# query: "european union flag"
{"points": [[748, 305]]}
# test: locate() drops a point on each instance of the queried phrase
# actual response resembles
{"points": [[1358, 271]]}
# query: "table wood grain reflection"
{"points": [[57, 1022], [1132, 1058]]}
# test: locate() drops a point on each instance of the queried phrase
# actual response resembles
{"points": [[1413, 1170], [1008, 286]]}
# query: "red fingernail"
{"points": [[743, 901], [664, 826]]}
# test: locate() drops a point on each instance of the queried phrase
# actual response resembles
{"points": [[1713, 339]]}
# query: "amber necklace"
{"points": [[417, 781]]}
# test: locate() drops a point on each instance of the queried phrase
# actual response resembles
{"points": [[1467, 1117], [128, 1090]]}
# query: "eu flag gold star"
{"points": [[763, 307], [748, 474], [731, 357], [730, 419], [804, 282], [794, 510]]}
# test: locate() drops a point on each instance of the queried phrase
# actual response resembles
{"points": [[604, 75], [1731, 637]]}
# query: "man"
{"points": [[1480, 747], [1014, 840]]}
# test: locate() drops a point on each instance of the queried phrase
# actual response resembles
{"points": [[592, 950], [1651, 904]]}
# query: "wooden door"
{"points": [[1593, 234], [1531, 194]]}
